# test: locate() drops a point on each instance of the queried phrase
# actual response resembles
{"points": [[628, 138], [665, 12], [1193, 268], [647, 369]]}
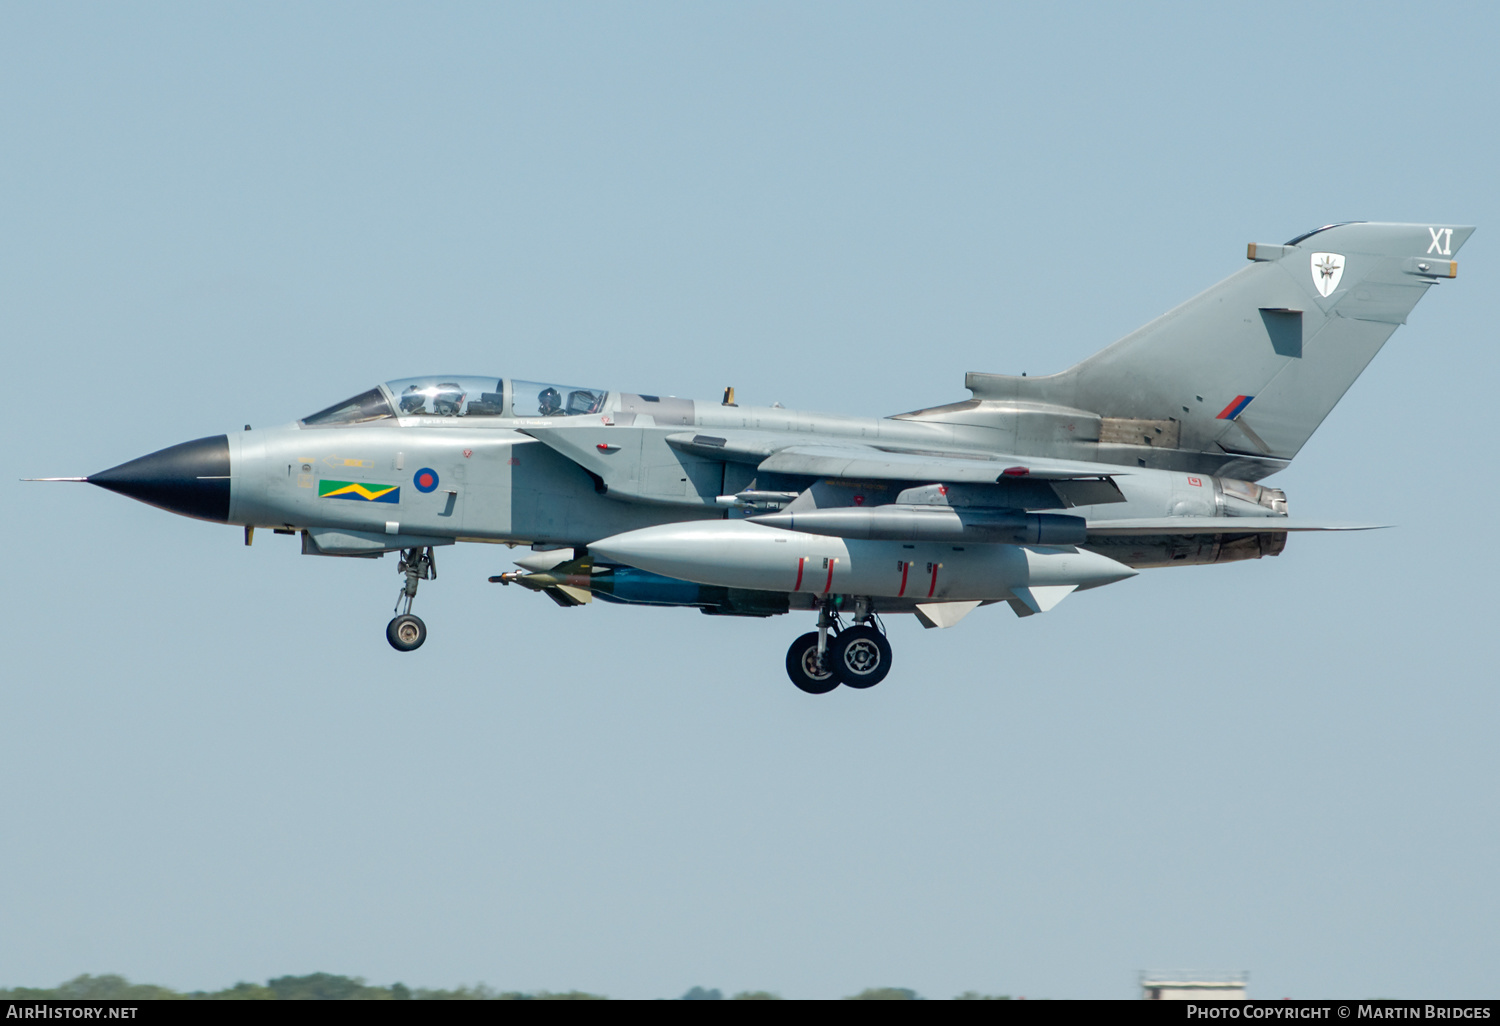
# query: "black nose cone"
{"points": [[191, 478]]}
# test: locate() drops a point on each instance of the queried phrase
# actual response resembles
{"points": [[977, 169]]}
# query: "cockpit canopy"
{"points": [[460, 396], [448, 396], [538, 399]]}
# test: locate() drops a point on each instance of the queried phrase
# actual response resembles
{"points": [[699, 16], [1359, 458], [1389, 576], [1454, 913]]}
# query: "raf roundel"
{"points": [[425, 479]]}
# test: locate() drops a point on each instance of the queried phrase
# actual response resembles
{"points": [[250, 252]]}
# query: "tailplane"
{"points": [[1249, 368]]}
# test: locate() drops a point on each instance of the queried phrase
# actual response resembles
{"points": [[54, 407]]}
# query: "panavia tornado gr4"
{"points": [[1147, 454]]}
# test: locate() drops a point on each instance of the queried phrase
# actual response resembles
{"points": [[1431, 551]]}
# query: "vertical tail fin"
{"points": [[1254, 364]]}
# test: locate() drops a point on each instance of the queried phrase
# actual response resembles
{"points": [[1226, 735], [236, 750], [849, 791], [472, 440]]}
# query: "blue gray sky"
{"points": [[213, 767]]}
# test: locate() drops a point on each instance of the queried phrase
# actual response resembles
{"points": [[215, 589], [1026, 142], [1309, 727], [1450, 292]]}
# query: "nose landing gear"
{"points": [[407, 632], [858, 656]]}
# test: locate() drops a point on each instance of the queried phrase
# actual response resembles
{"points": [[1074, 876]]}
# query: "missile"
{"points": [[567, 583], [744, 554], [933, 523]]}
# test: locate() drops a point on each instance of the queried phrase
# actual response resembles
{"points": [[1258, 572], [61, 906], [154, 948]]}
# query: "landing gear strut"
{"points": [[407, 632], [858, 655]]}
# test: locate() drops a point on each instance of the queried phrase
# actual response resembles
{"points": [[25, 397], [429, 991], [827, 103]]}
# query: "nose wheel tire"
{"points": [[406, 632], [802, 665], [860, 657]]}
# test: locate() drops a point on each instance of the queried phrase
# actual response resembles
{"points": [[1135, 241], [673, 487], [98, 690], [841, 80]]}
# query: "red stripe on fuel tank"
{"points": [[905, 569], [800, 564], [829, 583], [933, 586]]}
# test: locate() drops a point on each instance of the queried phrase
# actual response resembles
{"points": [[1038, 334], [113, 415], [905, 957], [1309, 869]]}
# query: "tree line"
{"points": [[329, 987]]}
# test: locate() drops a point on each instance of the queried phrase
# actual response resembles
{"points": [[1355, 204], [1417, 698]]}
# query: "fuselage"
{"points": [[670, 486], [482, 478]]}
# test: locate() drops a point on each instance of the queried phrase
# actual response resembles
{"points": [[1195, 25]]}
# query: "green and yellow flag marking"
{"points": [[359, 492]]}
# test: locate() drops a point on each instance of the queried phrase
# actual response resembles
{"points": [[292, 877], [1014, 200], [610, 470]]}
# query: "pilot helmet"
{"points": [[412, 399], [448, 398], [549, 401]]}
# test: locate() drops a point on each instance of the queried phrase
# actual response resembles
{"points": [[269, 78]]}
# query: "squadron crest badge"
{"points": [[1327, 269]]}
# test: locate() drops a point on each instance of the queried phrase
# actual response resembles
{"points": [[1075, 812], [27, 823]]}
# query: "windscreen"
{"points": [[366, 406]]}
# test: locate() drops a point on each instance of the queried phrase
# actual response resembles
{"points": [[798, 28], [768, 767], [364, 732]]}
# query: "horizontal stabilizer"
{"points": [[1217, 525]]}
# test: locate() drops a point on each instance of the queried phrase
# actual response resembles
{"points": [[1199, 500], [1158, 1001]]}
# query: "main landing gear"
{"points": [[407, 632], [857, 656]]}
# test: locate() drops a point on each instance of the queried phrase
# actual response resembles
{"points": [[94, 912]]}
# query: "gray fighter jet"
{"points": [[1147, 454]]}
